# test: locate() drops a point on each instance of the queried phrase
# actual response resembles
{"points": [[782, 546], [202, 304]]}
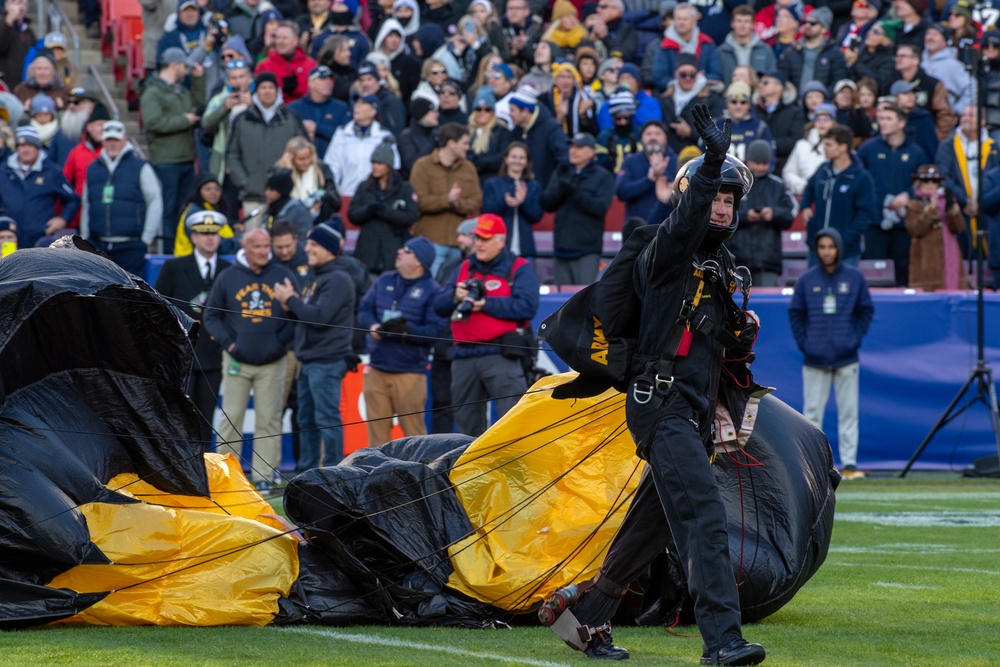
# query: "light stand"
{"points": [[981, 375]]}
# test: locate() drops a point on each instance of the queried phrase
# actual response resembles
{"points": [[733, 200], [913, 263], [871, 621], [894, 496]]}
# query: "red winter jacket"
{"points": [[298, 66], [75, 169]]}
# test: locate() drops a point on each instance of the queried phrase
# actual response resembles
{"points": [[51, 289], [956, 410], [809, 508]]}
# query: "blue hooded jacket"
{"points": [[830, 312], [845, 202]]}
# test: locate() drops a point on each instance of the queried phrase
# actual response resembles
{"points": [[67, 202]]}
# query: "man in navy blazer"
{"points": [[186, 281]]}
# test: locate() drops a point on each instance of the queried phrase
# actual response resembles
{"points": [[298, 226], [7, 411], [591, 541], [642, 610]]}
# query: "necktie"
{"points": [[208, 272]]}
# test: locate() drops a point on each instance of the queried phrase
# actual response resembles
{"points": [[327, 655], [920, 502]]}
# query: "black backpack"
{"points": [[595, 331]]}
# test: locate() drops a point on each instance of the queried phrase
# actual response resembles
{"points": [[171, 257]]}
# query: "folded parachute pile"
{"points": [[437, 529], [108, 511]]}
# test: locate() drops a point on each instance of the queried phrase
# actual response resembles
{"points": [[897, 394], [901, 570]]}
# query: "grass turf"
{"points": [[912, 578]]}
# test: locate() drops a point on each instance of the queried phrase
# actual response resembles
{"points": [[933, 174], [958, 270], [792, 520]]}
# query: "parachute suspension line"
{"points": [[740, 465], [565, 420]]}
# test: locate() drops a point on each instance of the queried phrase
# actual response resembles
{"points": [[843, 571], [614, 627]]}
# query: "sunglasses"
{"points": [[236, 64], [811, 22], [687, 75], [484, 109], [494, 75], [739, 100], [438, 72], [448, 91], [72, 103], [621, 118]]}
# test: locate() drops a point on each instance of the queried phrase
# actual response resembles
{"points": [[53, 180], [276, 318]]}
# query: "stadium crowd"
{"points": [[407, 119]]}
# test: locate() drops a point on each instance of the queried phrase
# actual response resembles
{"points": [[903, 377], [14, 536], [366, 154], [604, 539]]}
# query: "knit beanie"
{"points": [[281, 181], [383, 152], [326, 236]]}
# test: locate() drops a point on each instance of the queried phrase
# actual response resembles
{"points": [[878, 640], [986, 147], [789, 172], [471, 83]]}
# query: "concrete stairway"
{"points": [[90, 54]]}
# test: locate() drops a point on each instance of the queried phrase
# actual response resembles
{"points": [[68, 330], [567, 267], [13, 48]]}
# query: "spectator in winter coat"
{"points": [[122, 202], [920, 125], [893, 159], [168, 113], [405, 67], [830, 313], [807, 155], [569, 103], [939, 59], [43, 118], [843, 195], [243, 316], [580, 194], [447, 189], [516, 197], [956, 160], [646, 106], [188, 32], [864, 14], [85, 152], [489, 136], [522, 29], [765, 212], [874, 57], [814, 57], [30, 186], [683, 36], [933, 220], [321, 113], [336, 55], [385, 208], [690, 87], [350, 151], [542, 134], [16, 39], [915, 22], [391, 111], [746, 128], [205, 196], [480, 370], [324, 315], [641, 173], [288, 62], [42, 80], [930, 93], [398, 312], [622, 139], [344, 24], [742, 46], [258, 139], [420, 138], [613, 32], [785, 119]]}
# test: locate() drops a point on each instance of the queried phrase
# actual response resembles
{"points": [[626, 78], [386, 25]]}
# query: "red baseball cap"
{"points": [[489, 225]]}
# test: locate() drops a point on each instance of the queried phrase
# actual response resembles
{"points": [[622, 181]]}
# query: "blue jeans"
{"points": [[442, 254], [176, 182], [319, 413]]}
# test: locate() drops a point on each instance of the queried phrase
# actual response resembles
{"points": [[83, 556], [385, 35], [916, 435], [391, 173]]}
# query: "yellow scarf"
{"points": [[567, 39], [985, 149]]}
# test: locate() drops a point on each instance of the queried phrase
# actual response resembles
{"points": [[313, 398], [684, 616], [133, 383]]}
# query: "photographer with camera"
{"points": [[209, 51], [499, 293]]}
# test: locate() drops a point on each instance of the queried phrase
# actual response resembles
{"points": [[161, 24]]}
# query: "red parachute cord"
{"points": [[739, 478], [676, 622]]}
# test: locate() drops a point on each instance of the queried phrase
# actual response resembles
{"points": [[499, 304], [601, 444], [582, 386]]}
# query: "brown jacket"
{"points": [[432, 181], [945, 118], [928, 256]]}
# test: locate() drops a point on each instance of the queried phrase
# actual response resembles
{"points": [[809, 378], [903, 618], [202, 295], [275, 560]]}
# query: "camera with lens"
{"points": [[477, 291], [219, 26]]}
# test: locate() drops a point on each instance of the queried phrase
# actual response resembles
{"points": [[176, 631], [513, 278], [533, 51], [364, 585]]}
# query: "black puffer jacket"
{"points": [[385, 218], [757, 245]]}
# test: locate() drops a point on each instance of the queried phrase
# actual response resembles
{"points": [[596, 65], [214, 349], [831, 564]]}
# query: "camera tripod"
{"points": [[981, 375]]}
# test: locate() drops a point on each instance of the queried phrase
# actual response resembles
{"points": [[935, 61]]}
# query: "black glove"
{"points": [[352, 363], [394, 328], [716, 141], [289, 84], [747, 337]]}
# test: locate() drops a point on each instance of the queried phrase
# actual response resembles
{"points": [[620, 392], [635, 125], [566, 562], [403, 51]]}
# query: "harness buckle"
{"points": [[654, 385]]}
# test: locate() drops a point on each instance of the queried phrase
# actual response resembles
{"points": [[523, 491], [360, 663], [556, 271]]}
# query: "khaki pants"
{"points": [[266, 382], [388, 394], [816, 391]]}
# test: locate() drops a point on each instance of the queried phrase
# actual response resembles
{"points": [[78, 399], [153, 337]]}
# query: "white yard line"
{"points": [[929, 568], [975, 519], [401, 643], [894, 584]]}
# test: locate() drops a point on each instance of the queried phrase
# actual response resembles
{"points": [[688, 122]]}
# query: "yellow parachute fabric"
{"points": [[545, 508], [184, 560]]}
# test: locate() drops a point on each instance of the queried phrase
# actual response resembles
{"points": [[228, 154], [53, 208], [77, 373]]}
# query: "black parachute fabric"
{"points": [[92, 366], [386, 516], [381, 522]]}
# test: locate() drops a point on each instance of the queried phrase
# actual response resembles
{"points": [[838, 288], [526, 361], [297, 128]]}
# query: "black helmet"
{"points": [[736, 178]]}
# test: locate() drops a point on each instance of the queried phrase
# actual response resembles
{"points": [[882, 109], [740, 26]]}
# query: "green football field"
{"points": [[912, 578]]}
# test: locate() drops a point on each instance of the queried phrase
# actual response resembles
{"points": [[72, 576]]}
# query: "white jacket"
{"points": [[349, 155], [804, 160]]}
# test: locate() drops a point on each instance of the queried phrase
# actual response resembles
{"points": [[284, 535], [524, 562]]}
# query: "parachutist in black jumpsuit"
{"points": [[678, 504]]}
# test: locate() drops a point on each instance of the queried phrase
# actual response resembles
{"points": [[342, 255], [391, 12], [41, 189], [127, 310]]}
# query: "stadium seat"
{"points": [[791, 269], [793, 244], [878, 272]]}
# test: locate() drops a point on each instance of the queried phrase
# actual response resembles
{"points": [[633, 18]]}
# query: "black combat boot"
{"points": [[602, 646], [737, 652]]}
